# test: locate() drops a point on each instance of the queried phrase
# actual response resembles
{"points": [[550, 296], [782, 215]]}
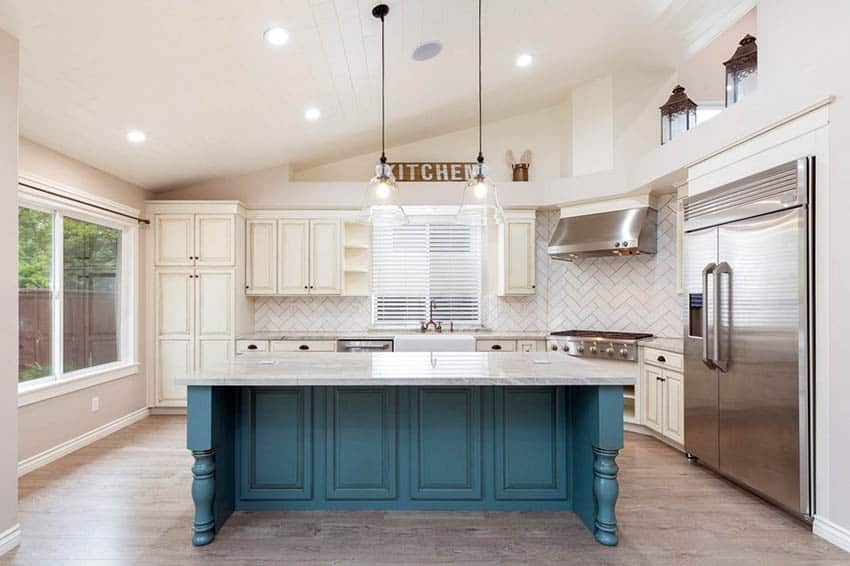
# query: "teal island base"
{"points": [[534, 448]]}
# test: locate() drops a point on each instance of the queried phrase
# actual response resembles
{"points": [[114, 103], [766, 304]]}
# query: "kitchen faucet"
{"points": [[438, 327]]}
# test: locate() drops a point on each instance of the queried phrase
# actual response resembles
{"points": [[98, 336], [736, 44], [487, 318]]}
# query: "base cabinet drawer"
{"points": [[668, 360], [495, 346], [303, 346], [251, 346]]}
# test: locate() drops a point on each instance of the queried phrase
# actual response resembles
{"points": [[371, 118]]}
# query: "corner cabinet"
{"points": [[662, 394], [195, 311], [516, 254], [294, 255]]}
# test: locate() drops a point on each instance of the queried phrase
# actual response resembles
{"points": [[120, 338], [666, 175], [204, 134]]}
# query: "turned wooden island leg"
{"points": [[605, 490], [203, 494]]}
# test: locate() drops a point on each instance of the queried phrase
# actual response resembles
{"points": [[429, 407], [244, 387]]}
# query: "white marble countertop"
{"points": [[414, 368], [481, 334], [675, 345]]}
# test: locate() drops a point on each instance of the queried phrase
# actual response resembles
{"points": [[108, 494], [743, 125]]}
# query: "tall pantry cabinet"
{"points": [[195, 268]]}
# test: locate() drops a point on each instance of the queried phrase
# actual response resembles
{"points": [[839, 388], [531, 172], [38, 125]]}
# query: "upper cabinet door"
{"points": [[174, 236], [214, 240], [325, 252], [293, 275], [262, 257], [517, 257]]}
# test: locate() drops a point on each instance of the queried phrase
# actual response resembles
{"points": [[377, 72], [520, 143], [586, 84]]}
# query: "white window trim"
{"points": [[63, 384]]}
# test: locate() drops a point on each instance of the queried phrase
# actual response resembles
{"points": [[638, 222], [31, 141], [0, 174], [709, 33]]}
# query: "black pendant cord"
{"points": [[383, 99], [480, 111]]}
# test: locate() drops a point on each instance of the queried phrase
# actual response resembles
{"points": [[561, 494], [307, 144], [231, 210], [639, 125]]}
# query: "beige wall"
{"points": [[48, 423], [8, 280]]}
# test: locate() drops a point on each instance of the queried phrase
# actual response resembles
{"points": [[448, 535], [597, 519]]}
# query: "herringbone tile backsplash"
{"points": [[627, 294]]}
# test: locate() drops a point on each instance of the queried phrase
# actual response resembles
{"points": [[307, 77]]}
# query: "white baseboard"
{"points": [[837, 535], [10, 538], [168, 411], [52, 454]]}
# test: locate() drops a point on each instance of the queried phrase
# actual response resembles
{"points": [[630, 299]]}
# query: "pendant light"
{"points": [[382, 198], [480, 191]]}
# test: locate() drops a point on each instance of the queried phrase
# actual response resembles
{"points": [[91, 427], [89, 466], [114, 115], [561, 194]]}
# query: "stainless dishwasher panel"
{"points": [[364, 345]]}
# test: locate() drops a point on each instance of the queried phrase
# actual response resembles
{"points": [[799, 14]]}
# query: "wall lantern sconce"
{"points": [[678, 115], [742, 71]]}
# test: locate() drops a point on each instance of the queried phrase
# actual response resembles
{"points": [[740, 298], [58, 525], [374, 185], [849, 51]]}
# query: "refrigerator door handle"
{"points": [[706, 271], [720, 361]]}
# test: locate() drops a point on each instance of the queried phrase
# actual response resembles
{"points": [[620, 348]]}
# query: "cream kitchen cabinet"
{"points": [[194, 324], [182, 239], [261, 260], [662, 394], [516, 254], [294, 256]]}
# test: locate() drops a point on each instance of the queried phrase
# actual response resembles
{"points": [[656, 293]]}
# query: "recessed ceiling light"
{"points": [[276, 36], [524, 60], [427, 50], [312, 114], [136, 136]]}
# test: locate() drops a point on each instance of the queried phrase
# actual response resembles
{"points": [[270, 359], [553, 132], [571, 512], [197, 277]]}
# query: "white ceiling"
{"points": [[215, 99]]}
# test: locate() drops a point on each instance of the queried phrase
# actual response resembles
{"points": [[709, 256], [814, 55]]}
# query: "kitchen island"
{"points": [[418, 431]]}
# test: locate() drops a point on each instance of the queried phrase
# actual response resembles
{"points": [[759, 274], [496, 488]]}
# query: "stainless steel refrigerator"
{"points": [[748, 285]]}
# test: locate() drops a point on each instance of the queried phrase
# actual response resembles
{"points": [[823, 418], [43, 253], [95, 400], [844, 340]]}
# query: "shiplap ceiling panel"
{"points": [[215, 99]]}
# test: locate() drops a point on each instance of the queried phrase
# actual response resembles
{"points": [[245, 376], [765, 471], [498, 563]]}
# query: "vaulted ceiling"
{"points": [[214, 98]]}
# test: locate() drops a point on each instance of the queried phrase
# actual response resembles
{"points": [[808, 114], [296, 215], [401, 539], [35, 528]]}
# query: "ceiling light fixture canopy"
{"points": [[382, 198], [480, 191], [276, 36]]}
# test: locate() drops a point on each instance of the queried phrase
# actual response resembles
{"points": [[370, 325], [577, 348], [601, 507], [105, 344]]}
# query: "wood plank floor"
{"points": [[125, 500]]}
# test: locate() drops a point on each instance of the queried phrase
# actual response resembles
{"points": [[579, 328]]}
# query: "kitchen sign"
{"points": [[433, 171]]}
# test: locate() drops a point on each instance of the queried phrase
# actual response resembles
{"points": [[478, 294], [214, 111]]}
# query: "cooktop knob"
{"points": [[624, 352], [554, 347], [580, 348], [566, 348], [609, 350], [593, 349]]}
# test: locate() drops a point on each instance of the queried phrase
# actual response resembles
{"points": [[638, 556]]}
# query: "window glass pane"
{"points": [[35, 250], [92, 295]]}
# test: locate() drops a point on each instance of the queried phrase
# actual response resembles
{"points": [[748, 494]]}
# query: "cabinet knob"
{"points": [[661, 359], [305, 286], [303, 347]]}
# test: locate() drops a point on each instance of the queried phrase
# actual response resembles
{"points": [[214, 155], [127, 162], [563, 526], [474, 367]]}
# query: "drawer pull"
{"points": [[252, 346], [303, 347], [496, 347], [661, 359]]}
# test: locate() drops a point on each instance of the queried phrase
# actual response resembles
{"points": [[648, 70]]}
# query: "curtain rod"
{"points": [[78, 201]]}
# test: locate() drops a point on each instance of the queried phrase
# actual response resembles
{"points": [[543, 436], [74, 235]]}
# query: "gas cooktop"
{"points": [[601, 334]]}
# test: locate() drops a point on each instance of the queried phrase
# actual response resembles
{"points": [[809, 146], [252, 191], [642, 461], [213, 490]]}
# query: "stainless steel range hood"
{"points": [[616, 233]]}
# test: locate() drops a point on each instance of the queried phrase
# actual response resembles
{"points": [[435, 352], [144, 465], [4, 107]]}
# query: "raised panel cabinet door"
{"points": [[530, 443], [293, 257], [175, 303], [653, 397], [276, 443], [519, 263], [174, 239], [214, 303], [325, 252], [173, 359], [361, 443], [215, 243], [211, 353], [445, 440], [674, 406], [262, 257]]}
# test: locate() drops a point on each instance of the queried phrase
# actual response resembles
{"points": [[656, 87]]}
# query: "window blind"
{"points": [[415, 264]]}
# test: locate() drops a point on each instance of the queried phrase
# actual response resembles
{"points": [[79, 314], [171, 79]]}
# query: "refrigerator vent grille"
{"points": [[777, 186]]}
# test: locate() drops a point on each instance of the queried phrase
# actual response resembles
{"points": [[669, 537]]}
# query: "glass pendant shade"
{"points": [[678, 115], [480, 195], [742, 71], [382, 199]]}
